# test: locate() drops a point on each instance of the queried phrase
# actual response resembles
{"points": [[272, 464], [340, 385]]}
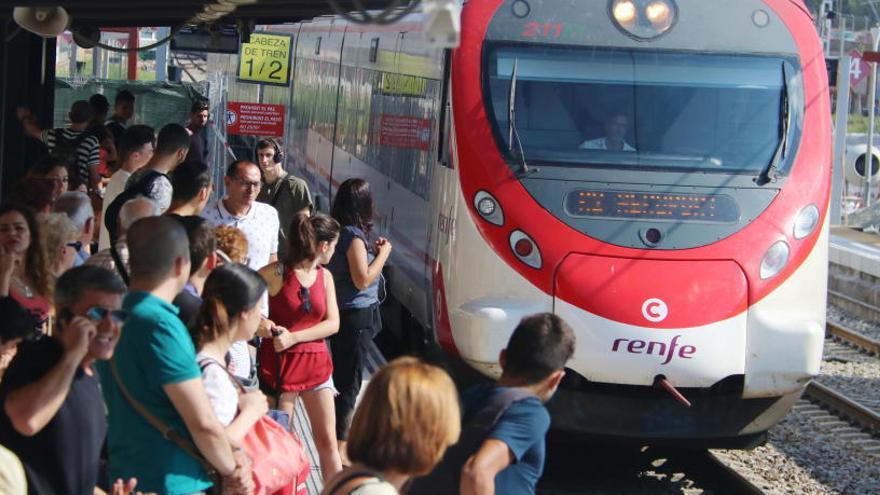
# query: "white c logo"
{"points": [[655, 310]]}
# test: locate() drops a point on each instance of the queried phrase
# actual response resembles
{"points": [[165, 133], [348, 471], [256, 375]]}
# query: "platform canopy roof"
{"points": [[131, 13]]}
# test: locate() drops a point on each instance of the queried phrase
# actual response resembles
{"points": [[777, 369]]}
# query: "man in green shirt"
{"points": [[156, 361], [288, 194]]}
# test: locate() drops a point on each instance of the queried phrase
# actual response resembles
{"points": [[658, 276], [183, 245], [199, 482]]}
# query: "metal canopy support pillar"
{"points": [[841, 119], [872, 95], [21, 70], [132, 55], [162, 55]]}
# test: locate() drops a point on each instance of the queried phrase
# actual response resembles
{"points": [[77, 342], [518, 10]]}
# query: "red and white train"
{"points": [[656, 172]]}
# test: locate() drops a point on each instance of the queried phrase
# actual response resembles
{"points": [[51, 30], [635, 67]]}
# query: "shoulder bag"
{"points": [[167, 432], [278, 459]]}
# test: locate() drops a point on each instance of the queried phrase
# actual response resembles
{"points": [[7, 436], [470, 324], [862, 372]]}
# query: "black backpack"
{"points": [[140, 188], [66, 151], [446, 476]]}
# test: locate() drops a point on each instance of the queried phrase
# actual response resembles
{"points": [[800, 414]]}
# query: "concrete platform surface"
{"points": [[303, 428], [853, 249]]}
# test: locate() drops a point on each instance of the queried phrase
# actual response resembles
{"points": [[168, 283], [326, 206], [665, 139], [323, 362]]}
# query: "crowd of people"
{"points": [[150, 330]]}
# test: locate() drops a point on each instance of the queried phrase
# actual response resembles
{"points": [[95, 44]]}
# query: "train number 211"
{"points": [[544, 30]]}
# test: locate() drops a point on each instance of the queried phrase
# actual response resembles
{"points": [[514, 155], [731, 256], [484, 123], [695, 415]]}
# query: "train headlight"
{"points": [[643, 19], [624, 12], [525, 249], [775, 259], [488, 208], [806, 222], [659, 14]]}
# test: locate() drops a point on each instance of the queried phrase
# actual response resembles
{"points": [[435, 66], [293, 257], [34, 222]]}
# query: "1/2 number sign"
{"points": [[266, 59]]}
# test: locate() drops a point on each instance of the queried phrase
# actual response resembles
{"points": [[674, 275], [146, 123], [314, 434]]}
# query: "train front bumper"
{"points": [[719, 416]]}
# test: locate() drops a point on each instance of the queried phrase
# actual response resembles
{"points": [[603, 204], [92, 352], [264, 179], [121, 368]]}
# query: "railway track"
{"points": [[852, 338], [853, 305], [844, 407], [845, 414]]}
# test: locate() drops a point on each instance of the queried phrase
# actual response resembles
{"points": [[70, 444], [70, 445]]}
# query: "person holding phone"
{"points": [[357, 268], [52, 409]]}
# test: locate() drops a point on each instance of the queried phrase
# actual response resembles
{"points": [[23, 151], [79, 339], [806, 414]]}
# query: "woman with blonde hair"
{"points": [[408, 416], [60, 242]]}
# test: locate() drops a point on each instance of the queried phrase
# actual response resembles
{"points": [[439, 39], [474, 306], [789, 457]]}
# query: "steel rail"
{"points": [[843, 406], [739, 483], [853, 337], [864, 305]]}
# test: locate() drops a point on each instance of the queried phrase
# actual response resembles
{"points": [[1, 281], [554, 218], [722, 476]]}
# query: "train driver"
{"points": [[615, 132]]}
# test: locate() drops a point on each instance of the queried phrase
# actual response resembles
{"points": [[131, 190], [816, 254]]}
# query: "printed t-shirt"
{"points": [[260, 227], [88, 152], [523, 428], [154, 349], [63, 457], [160, 190]]}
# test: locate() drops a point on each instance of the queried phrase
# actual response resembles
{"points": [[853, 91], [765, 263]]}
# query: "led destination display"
{"points": [[652, 206]]}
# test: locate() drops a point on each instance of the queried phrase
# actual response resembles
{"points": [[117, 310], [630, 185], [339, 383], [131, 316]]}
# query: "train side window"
{"points": [[374, 50], [445, 113]]}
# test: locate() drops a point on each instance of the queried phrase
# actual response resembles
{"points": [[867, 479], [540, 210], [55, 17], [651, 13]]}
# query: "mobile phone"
{"points": [[65, 315]]}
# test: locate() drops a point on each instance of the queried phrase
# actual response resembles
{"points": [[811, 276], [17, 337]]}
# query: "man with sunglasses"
{"points": [[53, 415]]}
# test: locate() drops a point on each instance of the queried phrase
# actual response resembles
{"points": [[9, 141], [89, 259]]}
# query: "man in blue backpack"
{"points": [[505, 424]]}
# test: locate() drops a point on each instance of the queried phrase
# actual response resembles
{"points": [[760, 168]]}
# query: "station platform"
{"points": [[855, 250], [854, 271], [303, 429]]}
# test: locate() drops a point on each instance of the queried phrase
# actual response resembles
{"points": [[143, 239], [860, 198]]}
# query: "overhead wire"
{"points": [[111, 48]]}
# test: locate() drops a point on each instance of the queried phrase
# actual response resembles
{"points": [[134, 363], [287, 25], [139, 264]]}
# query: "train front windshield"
{"points": [[645, 109]]}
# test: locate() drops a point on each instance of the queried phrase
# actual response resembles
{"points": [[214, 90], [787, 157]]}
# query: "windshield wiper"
{"points": [[512, 133], [768, 173]]}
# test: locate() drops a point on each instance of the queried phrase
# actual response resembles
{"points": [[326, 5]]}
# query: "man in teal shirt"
{"points": [[156, 361]]}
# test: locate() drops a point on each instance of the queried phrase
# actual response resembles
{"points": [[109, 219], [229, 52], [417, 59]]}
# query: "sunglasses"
{"points": [[75, 245], [97, 313], [306, 299]]}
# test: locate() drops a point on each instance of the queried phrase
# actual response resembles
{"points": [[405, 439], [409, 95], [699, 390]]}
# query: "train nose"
{"points": [[685, 320]]}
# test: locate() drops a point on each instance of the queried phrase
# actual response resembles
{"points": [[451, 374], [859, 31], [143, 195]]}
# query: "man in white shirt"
{"points": [[259, 223], [615, 132], [136, 146], [240, 209]]}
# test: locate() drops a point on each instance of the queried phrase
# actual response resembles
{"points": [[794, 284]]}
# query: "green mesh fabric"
{"points": [[156, 103]]}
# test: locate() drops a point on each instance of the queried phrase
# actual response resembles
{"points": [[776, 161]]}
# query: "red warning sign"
{"points": [[254, 119], [401, 131]]}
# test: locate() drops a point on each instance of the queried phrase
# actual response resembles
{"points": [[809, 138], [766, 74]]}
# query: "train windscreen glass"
{"points": [[646, 109]]}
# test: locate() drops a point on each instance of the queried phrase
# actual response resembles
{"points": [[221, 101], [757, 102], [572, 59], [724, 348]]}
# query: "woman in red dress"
{"points": [[296, 362]]}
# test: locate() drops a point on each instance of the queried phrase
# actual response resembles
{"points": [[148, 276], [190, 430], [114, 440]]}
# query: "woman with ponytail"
{"points": [[302, 303], [230, 312]]}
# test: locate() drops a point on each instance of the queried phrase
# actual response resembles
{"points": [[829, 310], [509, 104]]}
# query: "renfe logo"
{"points": [[655, 310], [660, 348]]}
